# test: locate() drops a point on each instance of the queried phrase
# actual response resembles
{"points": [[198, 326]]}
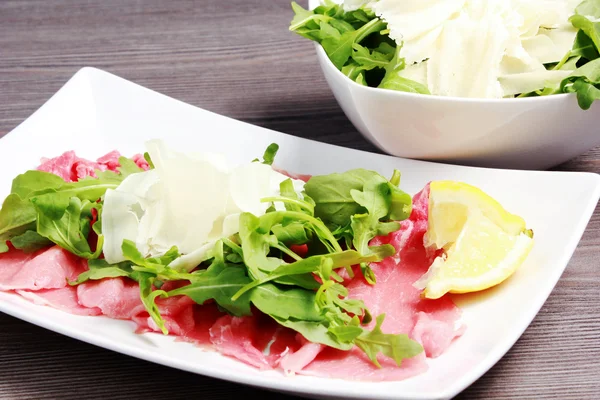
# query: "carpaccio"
{"points": [[257, 340]]}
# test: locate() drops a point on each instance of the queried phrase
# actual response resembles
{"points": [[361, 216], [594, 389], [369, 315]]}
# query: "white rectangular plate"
{"points": [[96, 112]]}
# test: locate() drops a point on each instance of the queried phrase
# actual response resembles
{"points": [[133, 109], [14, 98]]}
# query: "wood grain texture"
{"points": [[237, 58]]}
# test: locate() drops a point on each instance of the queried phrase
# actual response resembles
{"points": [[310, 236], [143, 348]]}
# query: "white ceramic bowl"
{"points": [[526, 133]]}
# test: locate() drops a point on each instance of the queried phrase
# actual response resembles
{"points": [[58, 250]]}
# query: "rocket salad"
{"points": [[277, 244]]}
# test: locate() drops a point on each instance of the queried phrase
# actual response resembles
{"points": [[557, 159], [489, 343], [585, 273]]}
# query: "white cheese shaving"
{"points": [[188, 201]]}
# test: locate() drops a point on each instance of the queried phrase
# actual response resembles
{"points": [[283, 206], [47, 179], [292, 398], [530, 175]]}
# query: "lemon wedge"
{"points": [[483, 243]]}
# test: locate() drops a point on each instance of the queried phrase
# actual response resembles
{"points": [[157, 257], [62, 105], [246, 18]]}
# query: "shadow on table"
{"points": [[321, 120]]}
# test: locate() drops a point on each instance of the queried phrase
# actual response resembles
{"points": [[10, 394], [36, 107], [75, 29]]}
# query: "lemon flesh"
{"points": [[483, 243]]}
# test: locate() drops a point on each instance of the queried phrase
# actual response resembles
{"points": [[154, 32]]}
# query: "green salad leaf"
{"points": [[30, 241], [270, 153], [127, 167], [70, 229], [357, 44], [397, 347], [100, 269]]}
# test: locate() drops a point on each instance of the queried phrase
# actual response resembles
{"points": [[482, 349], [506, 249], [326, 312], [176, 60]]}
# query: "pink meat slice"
{"points": [[64, 299], [296, 361], [205, 317], [256, 340], [177, 312], [61, 166], [71, 168], [303, 177], [141, 162], [110, 160], [354, 365], [44, 269], [116, 297]]}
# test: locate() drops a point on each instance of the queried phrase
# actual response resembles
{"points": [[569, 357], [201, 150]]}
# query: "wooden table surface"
{"points": [[237, 58]]}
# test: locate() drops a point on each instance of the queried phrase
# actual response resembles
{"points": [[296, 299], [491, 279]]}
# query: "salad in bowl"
{"points": [[503, 84], [462, 48]]}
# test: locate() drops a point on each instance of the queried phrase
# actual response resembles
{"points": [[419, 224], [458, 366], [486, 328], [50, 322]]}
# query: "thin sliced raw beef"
{"points": [[141, 162], [117, 297], [256, 340], [44, 269], [205, 317], [177, 312], [71, 168], [302, 177], [64, 299], [296, 361], [434, 328], [354, 365], [110, 160]]}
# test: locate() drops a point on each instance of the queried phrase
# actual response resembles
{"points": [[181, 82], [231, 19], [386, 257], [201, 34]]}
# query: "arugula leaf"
{"points": [[586, 92], [270, 153], [376, 199], [584, 47], [342, 35], [280, 303], [399, 83], [16, 217], [255, 245], [331, 193], [353, 70], [329, 261], [100, 269], [152, 265], [369, 59], [397, 347], [286, 190], [127, 167], [392, 79], [303, 18], [30, 242], [218, 282], [69, 231], [336, 205], [148, 160], [35, 181], [292, 233], [339, 49], [590, 28], [584, 81], [315, 332], [332, 298], [148, 296], [56, 200]]}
